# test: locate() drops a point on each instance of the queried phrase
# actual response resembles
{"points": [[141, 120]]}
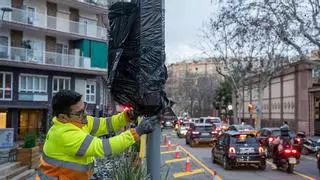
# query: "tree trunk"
{"points": [[191, 108], [235, 107], [260, 102]]}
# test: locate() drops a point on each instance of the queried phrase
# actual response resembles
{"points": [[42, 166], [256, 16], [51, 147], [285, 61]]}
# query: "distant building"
{"points": [[189, 71]]}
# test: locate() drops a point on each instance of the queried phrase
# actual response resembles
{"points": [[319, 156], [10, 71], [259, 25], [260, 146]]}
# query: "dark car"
{"points": [[201, 133], [238, 148], [267, 135]]}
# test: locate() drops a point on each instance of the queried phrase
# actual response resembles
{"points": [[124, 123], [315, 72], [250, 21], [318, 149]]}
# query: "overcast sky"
{"points": [[183, 20]]}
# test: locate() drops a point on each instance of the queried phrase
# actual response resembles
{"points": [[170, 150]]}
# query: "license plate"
{"points": [[243, 158], [292, 161], [246, 150], [205, 134]]}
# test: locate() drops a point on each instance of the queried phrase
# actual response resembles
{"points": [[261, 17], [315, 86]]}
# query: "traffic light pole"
{"points": [[153, 153]]}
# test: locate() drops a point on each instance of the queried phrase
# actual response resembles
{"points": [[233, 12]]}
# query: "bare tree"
{"points": [[193, 92], [247, 44]]}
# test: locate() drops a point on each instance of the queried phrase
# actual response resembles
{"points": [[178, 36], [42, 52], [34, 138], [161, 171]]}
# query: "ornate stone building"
{"points": [[292, 95]]}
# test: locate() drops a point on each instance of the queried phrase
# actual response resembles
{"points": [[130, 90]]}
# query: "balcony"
{"points": [[28, 96], [17, 54], [100, 3], [93, 6], [82, 29]]}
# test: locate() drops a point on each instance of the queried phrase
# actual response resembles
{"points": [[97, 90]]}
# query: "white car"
{"points": [[182, 131]]}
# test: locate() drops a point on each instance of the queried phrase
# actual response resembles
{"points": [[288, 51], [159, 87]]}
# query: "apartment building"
{"points": [[46, 46]]}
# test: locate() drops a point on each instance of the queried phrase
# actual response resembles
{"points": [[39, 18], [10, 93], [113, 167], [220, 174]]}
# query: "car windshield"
{"points": [[245, 127], [243, 138], [203, 128], [215, 120], [277, 132]]}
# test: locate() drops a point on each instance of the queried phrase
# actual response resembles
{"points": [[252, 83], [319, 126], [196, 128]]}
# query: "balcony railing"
{"points": [[56, 23], [44, 57], [102, 3]]}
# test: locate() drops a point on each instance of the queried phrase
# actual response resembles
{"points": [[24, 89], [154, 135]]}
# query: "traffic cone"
{"points": [[165, 141], [188, 164], [169, 145], [177, 153], [214, 175]]}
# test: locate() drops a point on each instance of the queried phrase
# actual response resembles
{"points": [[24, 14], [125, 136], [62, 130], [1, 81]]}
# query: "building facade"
{"points": [[292, 95], [184, 78], [46, 46]]}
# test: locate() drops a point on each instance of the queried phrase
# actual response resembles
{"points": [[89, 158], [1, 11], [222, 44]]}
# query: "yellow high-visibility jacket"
{"points": [[69, 150]]}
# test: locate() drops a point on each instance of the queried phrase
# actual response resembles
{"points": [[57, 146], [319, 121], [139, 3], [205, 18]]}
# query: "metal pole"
{"points": [[153, 153]]}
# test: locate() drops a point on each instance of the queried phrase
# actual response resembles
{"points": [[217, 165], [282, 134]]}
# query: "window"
{"points": [[91, 92], [33, 83], [62, 48], [4, 47], [6, 86], [60, 83], [31, 13]]}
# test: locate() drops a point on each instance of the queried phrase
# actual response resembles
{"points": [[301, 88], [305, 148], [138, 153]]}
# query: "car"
{"points": [[267, 135], [201, 133], [168, 124], [196, 120], [182, 131], [234, 148], [242, 127], [214, 120]]}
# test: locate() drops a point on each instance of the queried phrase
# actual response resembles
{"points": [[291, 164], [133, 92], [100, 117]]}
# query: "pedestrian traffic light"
{"points": [[250, 108]]}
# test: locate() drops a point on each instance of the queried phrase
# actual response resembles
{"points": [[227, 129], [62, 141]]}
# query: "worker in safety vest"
{"points": [[72, 142]]}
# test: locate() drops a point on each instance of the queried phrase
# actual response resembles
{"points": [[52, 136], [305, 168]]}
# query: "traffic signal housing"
{"points": [[250, 108]]}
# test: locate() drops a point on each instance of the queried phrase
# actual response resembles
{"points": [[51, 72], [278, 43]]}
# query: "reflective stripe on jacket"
{"points": [[69, 151]]}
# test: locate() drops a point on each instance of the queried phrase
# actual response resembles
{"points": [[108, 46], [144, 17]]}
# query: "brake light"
{"points": [[298, 139], [270, 139], [261, 150], [195, 132], [294, 151], [232, 150], [214, 132], [287, 151]]}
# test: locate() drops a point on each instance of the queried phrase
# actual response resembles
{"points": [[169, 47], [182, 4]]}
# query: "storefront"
{"points": [[24, 121], [30, 121], [3, 119]]}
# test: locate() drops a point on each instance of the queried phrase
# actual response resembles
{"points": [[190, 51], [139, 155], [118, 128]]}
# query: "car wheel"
{"points": [[262, 167], [305, 151], [213, 158], [290, 168], [187, 141], [193, 144], [226, 165]]}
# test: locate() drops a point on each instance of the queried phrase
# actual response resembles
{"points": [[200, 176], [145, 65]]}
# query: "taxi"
{"points": [[242, 128]]}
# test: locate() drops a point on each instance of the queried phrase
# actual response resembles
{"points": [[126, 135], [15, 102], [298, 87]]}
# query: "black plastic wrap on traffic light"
{"points": [[137, 71]]}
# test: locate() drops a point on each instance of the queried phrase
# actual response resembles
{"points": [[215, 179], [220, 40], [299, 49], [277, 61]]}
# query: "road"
{"points": [[201, 159]]}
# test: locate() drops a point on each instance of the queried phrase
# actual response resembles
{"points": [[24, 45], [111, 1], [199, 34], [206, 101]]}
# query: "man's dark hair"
{"points": [[62, 101], [285, 122]]}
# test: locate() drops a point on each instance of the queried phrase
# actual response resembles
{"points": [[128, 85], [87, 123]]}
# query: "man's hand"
{"points": [[147, 124], [132, 114]]}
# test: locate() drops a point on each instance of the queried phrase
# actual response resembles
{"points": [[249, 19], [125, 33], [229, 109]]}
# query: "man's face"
{"points": [[78, 112]]}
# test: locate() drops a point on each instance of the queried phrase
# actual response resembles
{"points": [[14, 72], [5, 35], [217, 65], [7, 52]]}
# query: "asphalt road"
{"points": [[307, 169]]}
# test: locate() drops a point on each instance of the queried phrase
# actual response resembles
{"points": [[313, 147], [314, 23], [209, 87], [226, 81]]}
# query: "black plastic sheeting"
{"points": [[137, 71]]}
